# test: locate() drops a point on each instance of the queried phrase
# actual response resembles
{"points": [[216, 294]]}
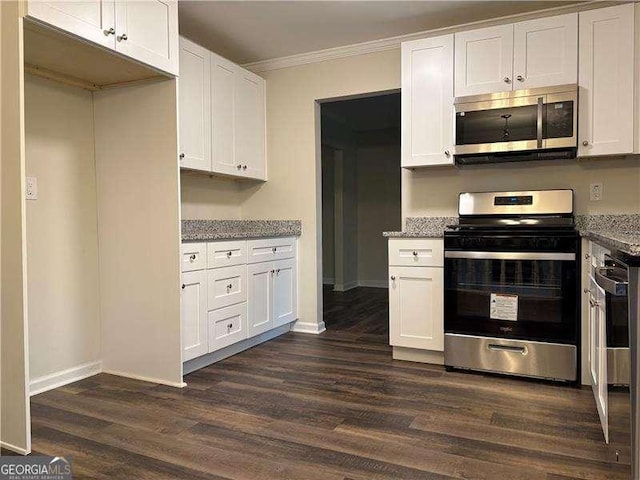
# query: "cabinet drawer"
{"points": [[227, 326], [416, 252], [226, 286], [226, 254], [194, 256], [269, 249]]}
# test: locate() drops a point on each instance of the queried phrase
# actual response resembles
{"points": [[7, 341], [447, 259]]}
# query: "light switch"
{"points": [[32, 188]]}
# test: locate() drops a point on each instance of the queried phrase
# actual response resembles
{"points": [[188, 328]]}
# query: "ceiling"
{"points": [[251, 31]]}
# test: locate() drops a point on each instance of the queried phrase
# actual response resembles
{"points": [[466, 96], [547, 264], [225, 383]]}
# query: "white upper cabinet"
{"points": [[545, 52], [427, 102], [223, 100], [606, 81], [195, 106], [484, 61], [92, 20], [146, 31], [222, 115], [250, 124], [531, 54]]}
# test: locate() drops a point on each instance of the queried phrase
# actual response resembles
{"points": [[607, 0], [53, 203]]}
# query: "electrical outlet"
{"points": [[32, 188], [595, 192]]}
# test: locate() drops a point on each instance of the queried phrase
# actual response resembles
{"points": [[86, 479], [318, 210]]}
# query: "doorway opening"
{"points": [[361, 198]]}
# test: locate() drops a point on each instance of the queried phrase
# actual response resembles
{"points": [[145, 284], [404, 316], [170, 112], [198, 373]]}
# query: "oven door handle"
{"points": [[510, 255], [609, 285], [507, 348]]}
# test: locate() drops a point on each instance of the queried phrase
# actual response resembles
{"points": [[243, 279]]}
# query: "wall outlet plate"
{"points": [[595, 192], [31, 188]]}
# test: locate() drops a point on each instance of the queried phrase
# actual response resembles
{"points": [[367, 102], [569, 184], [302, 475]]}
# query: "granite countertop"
{"points": [[616, 232], [425, 227], [208, 230]]}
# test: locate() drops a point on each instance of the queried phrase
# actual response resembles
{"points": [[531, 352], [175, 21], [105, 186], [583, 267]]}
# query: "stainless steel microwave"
{"points": [[533, 124]]}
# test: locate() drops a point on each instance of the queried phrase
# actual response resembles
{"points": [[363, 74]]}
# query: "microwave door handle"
{"points": [[539, 123]]}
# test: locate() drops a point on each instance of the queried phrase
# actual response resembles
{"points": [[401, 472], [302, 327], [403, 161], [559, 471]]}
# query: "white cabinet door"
{"points": [[91, 20], [416, 302], [484, 60], [195, 106], [260, 298], [427, 102], [598, 354], [285, 292], [606, 81], [147, 30], [250, 124], [545, 52], [223, 98], [193, 305]]}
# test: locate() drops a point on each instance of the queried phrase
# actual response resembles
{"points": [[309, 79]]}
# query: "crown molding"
{"points": [[392, 43]]}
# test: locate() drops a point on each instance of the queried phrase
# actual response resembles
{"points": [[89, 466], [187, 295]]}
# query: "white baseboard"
{"points": [[328, 281], [373, 283], [308, 327], [346, 286], [145, 379], [13, 448], [63, 377], [417, 355]]}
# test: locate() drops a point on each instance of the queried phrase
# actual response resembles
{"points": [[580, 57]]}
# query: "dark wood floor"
{"points": [[333, 406]]}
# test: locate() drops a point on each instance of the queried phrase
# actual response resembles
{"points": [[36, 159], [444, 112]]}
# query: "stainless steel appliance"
{"points": [[511, 285], [535, 124], [613, 278]]}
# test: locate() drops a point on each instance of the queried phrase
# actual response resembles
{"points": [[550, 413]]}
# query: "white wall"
{"points": [[62, 238], [209, 198]]}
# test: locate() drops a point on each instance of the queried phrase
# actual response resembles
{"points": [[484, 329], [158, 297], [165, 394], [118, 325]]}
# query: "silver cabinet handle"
{"points": [[274, 249], [415, 254], [229, 287], [183, 286], [520, 78], [239, 167], [111, 31], [585, 143], [594, 304], [393, 277], [506, 80], [229, 254], [277, 271], [447, 153], [586, 290], [181, 156], [122, 37], [244, 167], [192, 258], [587, 256]]}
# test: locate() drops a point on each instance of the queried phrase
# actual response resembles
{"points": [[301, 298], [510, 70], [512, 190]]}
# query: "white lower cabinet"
{"points": [[416, 294], [416, 307], [222, 305], [227, 326], [193, 306]]}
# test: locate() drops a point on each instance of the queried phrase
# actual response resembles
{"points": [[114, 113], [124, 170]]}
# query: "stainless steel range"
{"points": [[511, 285]]}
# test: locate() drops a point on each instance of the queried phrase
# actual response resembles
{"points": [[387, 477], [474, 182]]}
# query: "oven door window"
{"points": [[536, 299]]}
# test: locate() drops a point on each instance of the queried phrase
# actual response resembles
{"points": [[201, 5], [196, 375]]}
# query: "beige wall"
{"points": [[378, 208], [434, 191], [209, 198], [15, 426], [293, 185], [62, 238]]}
